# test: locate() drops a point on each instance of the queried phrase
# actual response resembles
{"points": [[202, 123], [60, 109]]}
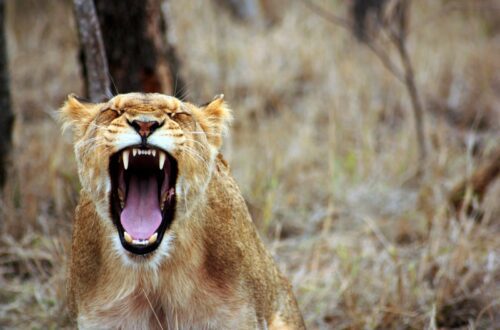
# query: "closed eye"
{"points": [[106, 116], [173, 114]]}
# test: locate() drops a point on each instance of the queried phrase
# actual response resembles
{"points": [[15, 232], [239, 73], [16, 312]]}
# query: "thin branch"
{"points": [[347, 24], [397, 37], [484, 175], [96, 64], [415, 100], [386, 61]]}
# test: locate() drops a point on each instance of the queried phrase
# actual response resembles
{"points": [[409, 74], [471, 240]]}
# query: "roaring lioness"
{"points": [[162, 237]]}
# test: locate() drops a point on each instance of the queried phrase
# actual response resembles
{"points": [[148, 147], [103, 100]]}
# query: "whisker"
{"points": [[152, 309], [193, 153], [198, 142], [203, 133]]}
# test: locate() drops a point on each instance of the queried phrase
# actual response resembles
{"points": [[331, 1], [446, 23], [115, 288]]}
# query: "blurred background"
{"points": [[376, 226]]}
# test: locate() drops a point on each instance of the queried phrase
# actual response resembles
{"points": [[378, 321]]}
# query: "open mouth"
{"points": [[142, 196]]}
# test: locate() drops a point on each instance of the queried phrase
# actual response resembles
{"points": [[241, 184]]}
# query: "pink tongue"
{"points": [[141, 216]]}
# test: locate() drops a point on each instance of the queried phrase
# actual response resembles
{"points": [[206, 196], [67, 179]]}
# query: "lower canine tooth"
{"points": [[153, 238], [127, 237]]}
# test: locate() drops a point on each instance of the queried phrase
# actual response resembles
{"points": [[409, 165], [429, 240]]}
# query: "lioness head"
{"points": [[145, 160]]}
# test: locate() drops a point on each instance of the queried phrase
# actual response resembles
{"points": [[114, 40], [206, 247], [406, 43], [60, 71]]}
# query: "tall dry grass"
{"points": [[322, 148]]}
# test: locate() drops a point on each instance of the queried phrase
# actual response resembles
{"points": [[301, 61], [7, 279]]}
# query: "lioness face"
{"points": [[145, 159]]}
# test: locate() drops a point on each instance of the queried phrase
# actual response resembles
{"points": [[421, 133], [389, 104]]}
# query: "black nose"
{"points": [[144, 128]]}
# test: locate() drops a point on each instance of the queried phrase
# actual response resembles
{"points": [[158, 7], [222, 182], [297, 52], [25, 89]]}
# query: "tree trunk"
{"points": [[399, 36], [140, 58], [6, 115], [95, 66]]}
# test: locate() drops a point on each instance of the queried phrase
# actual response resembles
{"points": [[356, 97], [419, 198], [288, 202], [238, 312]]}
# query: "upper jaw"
{"points": [[151, 151], [142, 197]]}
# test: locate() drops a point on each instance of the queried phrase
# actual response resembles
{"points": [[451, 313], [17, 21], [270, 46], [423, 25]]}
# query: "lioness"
{"points": [[162, 237]]}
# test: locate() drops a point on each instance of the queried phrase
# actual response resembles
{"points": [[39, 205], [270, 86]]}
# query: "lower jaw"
{"points": [[146, 248]]}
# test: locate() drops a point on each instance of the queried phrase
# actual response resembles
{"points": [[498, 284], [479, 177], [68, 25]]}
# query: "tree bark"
{"points": [[95, 66], [6, 114], [135, 38]]}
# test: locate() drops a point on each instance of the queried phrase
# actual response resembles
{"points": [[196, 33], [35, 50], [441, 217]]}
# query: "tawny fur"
{"points": [[211, 270]]}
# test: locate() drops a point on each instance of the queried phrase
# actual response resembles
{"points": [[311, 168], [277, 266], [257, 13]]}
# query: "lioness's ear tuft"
{"points": [[76, 114], [217, 117]]}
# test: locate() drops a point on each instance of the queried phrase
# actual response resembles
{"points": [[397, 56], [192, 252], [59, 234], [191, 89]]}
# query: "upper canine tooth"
{"points": [[125, 155], [134, 152], [153, 238], [127, 237], [162, 159]]}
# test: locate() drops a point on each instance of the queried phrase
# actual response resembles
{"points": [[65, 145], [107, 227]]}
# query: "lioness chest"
{"points": [[140, 310]]}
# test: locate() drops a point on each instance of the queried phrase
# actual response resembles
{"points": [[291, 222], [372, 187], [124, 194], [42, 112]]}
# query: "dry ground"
{"points": [[322, 147]]}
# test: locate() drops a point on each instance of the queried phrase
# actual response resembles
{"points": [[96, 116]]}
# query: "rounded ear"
{"points": [[216, 119], [77, 114]]}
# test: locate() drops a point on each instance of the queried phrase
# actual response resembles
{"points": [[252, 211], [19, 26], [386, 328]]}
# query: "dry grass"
{"points": [[322, 148]]}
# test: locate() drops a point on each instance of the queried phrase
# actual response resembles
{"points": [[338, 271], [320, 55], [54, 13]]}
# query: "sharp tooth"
{"points": [[134, 152], [125, 155], [127, 237], [149, 152], [153, 238], [162, 159], [154, 153]]}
